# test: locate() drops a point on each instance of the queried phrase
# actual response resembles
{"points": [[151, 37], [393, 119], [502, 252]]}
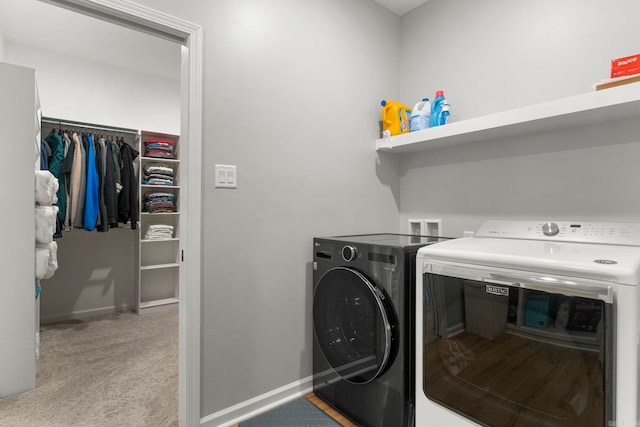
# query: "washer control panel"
{"points": [[568, 231], [550, 229]]}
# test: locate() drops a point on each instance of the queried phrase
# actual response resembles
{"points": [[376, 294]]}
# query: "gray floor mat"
{"points": [[297, 413]]}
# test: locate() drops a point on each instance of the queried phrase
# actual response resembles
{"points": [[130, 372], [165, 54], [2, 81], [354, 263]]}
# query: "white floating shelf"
{"points": [[600, 106]]}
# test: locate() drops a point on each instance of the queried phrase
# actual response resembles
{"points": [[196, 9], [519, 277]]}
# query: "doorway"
{"points": [[190, 38]]}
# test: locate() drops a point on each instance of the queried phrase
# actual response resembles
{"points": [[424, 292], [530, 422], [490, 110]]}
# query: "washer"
{"points": [[363, 316], [530, 323]]}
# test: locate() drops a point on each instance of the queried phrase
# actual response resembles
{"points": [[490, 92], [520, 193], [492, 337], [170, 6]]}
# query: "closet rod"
{"points": [[52, 121]]}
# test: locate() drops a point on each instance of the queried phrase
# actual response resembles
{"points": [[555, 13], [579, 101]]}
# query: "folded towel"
{"points": [[159, 232], [46, 260], [46, 188], [45, 223], [42, 262]]}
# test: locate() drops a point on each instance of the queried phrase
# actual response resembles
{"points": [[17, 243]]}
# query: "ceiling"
{"points": [[400, 7], [54, 29]]}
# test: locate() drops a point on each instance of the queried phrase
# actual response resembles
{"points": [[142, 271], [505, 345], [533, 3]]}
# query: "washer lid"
{"points": [[620, 264]]}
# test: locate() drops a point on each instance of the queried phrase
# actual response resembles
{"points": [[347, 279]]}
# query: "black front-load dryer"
{"points": [[363, 326]]}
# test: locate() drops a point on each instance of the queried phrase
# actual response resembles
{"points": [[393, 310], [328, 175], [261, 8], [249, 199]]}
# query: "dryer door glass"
{"points": [[527, 353], [352, 325]]}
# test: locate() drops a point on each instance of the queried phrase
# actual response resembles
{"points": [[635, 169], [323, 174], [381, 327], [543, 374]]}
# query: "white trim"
{"points": [[191, 275], [85, 314], [132, 15], [259, 404]]}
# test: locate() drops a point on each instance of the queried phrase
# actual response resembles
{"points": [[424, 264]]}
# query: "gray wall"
{"points": [[1, 45], [498, 55], [292, 98]]}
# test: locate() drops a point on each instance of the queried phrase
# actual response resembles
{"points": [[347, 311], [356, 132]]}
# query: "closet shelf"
{"points": [[174, 239], [151, 186], [159, 213], [158, 303], [591, 108], [159, 159], [159, 266], [159, 259]]}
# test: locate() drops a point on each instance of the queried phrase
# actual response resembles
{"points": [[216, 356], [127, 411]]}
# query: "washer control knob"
{"points": [[349, 253], [550, 229]]}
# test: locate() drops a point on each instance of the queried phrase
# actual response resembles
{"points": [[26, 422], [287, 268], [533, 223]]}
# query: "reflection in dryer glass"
{"points": [[505, 356]]}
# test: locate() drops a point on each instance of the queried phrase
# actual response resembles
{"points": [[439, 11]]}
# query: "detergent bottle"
{"points": [[444, 113], [395, 117], [436, 108], [420, 115]]}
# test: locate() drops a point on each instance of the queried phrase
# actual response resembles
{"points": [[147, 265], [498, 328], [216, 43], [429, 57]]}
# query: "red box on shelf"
{"points": [[626, 66]]}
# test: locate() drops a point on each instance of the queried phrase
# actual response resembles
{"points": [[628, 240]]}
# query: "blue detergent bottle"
{"points": [[436, 108], [444, 113]]}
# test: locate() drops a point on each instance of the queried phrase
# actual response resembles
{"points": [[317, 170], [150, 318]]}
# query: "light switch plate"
{"points": [[226, 176]]}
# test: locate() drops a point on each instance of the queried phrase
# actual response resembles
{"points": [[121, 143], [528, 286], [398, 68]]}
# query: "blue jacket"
{"points": [[91, 205]]}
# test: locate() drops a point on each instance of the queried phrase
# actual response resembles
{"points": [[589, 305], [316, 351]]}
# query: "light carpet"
{"points": [[113, 370]]}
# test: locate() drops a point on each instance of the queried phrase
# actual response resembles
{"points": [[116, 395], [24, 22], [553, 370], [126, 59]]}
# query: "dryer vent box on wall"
{"points": [[485, 309]]}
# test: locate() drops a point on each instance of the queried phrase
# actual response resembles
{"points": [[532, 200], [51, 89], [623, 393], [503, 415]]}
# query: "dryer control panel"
{"points": [[613, 233]]}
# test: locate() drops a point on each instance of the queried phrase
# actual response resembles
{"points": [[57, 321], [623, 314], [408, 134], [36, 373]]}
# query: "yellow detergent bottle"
{"points": [[395, 117]]}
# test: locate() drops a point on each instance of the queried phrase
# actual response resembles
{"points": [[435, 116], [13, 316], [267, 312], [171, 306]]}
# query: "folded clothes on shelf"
{"points": [[159, 202], [159, 148], [158, 174], [159, 232]]}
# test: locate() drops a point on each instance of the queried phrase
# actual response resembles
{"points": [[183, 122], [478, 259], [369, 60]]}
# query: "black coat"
{"points": [[128, 197]]}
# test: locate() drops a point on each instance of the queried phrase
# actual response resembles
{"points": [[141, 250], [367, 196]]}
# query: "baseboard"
{"points": [[259, 404], [83, 314]]}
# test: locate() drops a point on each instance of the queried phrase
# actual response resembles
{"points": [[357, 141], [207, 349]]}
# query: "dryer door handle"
{"points": [[500, 282]]}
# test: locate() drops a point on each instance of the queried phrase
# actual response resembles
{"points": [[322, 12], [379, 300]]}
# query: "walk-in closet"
{"points": [[114, 293]]}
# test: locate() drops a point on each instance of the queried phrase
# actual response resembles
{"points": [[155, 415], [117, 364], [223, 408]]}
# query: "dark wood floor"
{"points": [[339, 418], [518, 382]]}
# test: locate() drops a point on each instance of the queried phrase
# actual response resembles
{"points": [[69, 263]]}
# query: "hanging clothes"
{"points": [[117, 160], [55, 167], [102, 208], [128, 197], [74, 179], [78, 221], [99, 177], [92, 204], [67, 167], [110, 192], [44, 155]]}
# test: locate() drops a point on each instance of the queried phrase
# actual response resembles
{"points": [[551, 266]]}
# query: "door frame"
{"points": [[190, 36]]}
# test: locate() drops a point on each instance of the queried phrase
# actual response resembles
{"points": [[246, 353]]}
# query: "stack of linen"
{"points": [[159, 202], [159, 232], [158, 174], [46, 214], [158, 148]]}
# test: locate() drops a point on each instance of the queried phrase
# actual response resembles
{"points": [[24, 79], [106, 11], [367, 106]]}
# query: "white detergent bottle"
{"points": [[420, 115]]}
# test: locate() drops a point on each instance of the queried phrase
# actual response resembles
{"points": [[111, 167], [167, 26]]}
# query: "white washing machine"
{"points": [[530, 323]]}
